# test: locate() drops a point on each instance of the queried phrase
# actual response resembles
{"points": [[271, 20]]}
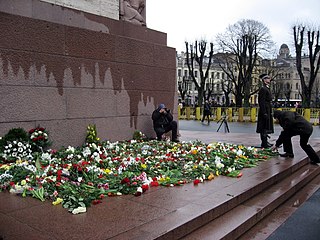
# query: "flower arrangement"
{"points": [[92, 136], [39, 138], [78, 177], [138, 135], [16, 150]]}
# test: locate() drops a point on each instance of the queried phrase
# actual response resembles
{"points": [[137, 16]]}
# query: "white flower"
{"points": [[79, 210]]}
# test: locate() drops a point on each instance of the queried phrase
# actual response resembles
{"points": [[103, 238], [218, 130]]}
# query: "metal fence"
{"points": [[234, 114]]}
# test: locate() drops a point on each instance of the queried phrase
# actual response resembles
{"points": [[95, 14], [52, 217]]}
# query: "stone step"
{"points": [[274, 220], [240, 219], [226, 199]]}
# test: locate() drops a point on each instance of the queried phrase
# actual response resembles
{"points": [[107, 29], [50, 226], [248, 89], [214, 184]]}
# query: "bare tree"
{"points": [[197, 55], [313, 52], [243, 42], [227, 89], [183, 88]]}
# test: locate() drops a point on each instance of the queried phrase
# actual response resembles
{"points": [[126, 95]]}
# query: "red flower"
{"points": [[59, 172], [154, 184], [96, 201], [196, 181], [125, 180], [239, 175], [58, 184], [137, 194], [145, 187]]}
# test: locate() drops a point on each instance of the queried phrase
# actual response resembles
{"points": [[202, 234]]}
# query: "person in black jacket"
{"points": [[294, 124], [206, 111], [265, 121], [163, 123]]}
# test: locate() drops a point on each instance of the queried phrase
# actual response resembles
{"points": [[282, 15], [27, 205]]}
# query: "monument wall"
{"points": [[64, 69]]}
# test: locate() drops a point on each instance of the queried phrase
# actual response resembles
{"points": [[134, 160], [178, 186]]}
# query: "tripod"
{"points": [[223, 120]]}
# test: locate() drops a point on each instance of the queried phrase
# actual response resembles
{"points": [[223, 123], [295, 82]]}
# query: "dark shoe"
{"points": [[175, 140], [315, 163], [286, 155], [265, 146], [269, 144]]}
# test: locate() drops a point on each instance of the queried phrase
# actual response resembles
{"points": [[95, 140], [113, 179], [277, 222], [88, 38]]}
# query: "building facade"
{"points": [[285, 87]]}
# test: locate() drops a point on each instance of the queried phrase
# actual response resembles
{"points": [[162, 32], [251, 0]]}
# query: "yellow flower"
{"points": [[58, 201], [107, 171], [144, 166], [211, 176], [217, 173], [23, 182], [194, 151], [6, 166]]}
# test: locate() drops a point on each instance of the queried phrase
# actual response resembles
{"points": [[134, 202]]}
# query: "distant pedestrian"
{"points": [[294, 124], [265, 121], [206, 111]]}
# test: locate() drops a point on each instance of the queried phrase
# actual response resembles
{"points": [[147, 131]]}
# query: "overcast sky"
{"points": [[189, 20]]}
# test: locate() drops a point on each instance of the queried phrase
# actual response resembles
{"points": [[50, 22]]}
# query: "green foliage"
{"points": [[14, 134], [92, 136], [138, 135]]}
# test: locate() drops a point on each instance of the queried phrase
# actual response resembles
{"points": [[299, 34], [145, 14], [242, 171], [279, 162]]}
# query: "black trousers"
{"points": [[204, 116], [172, 126], [285, 138], [264, 140]]}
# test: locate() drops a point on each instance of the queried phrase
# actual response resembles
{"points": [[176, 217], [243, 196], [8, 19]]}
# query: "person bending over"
{"points": [[163, 122], [294, 124]]}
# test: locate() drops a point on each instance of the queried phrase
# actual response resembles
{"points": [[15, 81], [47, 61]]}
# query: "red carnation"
{"points": [[154, 184], [59, 172], [145, 187], [125, 180], [196, 181]]}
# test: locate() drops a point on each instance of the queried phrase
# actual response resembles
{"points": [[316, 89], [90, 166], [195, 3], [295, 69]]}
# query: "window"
{"points": [[196, 73], [186, 73], [179, 72], [218, 75]]}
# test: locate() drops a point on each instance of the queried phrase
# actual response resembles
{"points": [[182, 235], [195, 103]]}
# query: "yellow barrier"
{"points": [[243, 114], [198, 114], [307, 114], [253, 115]]}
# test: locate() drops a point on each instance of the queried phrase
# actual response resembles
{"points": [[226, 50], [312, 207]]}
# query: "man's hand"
{"points": [[162, 110]]}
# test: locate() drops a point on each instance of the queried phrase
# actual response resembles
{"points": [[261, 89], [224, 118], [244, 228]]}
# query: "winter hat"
{"points": [[161, 106], [263, 76]]}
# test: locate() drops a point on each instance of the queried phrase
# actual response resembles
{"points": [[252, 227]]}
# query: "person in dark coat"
{"points": [[206, 111], [163, 122], [294, 124], [265, 121]]}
